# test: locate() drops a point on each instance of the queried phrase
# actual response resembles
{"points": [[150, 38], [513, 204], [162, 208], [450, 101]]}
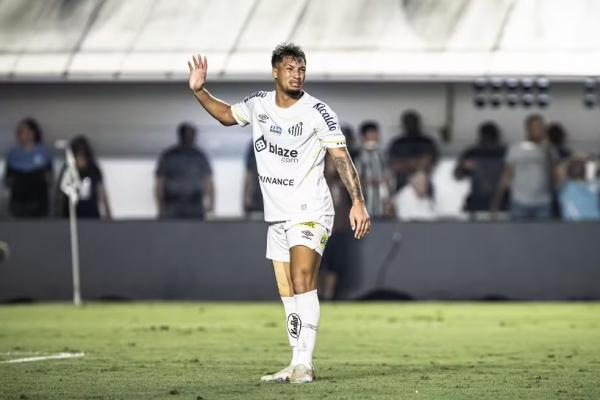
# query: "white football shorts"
{"points": [[281, 236]]}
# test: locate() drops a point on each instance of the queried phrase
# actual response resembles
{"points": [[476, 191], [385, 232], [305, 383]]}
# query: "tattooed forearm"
{"points": [[345, 167]]}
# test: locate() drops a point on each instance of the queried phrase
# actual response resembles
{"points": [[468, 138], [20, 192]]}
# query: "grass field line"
{"points": [[57, 356]]}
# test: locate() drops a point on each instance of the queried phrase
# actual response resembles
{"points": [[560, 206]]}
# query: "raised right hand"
{"points": [[197, 72]]}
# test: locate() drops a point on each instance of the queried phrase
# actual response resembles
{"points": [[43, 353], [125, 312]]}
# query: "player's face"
{"points": [[289, 75], [25, 136]]}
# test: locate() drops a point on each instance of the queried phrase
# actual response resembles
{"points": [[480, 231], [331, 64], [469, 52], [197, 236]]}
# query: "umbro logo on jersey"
{"points": [[296, 130], [276, 129], [263, 118]]}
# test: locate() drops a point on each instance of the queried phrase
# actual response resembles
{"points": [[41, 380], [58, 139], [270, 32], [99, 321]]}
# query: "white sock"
{"points": [[292, 325], [307, 307]]}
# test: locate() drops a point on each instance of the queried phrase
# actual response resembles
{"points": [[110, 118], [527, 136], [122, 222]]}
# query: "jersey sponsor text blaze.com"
{"points": [[287, 155]]}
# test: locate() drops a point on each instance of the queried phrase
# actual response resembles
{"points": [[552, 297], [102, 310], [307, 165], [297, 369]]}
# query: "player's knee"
{"points": [[285, 289], [301, 283]]}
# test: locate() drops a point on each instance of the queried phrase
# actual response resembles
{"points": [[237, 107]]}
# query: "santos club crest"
{"points": [[296, 130]]}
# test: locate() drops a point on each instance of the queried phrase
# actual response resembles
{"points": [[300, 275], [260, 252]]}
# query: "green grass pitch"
{"points": [[364, 351]]}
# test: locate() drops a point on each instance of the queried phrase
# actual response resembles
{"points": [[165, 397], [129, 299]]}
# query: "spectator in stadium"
{"points": [[528, 171], [184, 184], [557, 140], [93, 199], [560, 154], [412, 151], [336, 258], [348, 132], [578, 197], [372, 171], [28, 173], [414, 202], [253, 201], [482, 164]]}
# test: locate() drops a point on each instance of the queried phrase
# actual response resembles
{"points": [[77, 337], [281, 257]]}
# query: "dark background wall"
{"points": [[225, 261]]}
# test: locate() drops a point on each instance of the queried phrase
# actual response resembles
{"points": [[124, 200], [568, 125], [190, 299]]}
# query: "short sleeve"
{"points": [[328, 127], [242, 112]]}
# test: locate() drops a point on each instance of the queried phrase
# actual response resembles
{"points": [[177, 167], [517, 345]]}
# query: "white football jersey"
{"points": [[290, 146]]}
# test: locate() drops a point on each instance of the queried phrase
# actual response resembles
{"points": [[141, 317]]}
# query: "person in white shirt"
{"points": [[414, 201], [292, 131]]}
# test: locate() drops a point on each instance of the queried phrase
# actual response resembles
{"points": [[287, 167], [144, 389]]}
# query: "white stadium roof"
{"points": [[343, 39]]}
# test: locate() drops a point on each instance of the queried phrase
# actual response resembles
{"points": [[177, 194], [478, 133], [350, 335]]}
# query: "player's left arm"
{"points": [[359, 217]]}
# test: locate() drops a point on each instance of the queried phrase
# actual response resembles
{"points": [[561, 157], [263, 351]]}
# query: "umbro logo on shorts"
{"points": [[307, 235], [296, 130]]}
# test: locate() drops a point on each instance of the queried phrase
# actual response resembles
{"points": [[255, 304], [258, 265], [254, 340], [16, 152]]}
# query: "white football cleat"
{"points": [[279, 376], [302, 374]]}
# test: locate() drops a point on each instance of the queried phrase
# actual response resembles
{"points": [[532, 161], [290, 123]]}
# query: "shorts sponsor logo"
{"points": [[276, 181], [276, 129], [296, 130], [328, 118], [263, 118], [294, 325], [324, 240]]}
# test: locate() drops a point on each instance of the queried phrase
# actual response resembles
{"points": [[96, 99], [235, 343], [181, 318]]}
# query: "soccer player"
{"points": [[292, 131]]}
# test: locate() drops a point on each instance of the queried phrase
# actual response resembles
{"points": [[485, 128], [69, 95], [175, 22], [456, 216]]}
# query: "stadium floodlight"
{"points": [[526, 84], [543, 100], [512, 100], [527, 100], [497, 84], [590, 84], [479, 100], [480, 84], [542, 84], [496, 100], [590, 100], [70, 184], [512, 84]]}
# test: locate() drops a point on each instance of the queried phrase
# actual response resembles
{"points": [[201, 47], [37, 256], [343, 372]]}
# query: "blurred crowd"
{"points": [[537, 178]]}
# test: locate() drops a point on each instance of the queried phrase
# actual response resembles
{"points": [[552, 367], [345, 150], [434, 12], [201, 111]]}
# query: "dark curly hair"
{"points": [[287, 50]]}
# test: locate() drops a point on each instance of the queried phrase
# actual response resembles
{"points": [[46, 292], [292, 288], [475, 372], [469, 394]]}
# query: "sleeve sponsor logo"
{"points": [[255, 94], [276, 181], [328, 118]]}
